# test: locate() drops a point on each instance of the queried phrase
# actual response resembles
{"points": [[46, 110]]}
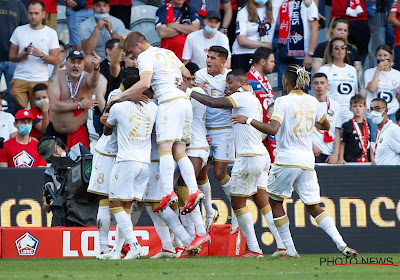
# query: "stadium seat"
{"points": [[143, 19], [62, 27]]}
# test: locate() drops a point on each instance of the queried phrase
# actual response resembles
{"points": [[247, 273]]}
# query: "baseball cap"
{"points": [[76, 54], [23, 114], [95, 1], [46, 147], [214, 14]]}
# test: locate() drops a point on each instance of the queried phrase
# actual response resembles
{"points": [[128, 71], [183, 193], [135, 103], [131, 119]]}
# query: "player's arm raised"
{"points": [[221, 102], [134, 93], [270, 128]]}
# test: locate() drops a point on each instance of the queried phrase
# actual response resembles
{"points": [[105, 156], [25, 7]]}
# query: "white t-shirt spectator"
{"points": [[387, 85], [6, 125], [34, 69], [388, 145], [196, 46]]}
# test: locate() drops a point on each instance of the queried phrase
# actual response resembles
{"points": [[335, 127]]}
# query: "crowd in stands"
{"points": [[52, 86]]}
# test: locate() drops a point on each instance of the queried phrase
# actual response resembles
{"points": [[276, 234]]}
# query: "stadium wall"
{"points": [[364, 202]]}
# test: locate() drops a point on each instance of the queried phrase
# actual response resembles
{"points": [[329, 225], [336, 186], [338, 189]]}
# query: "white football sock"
{"points": [[161, 228], [267, 213], [175, 225], [197, 220], [187, 224], [282, 225], [167, 167], [205, 187], [187, 172], [119, 240], [326, 223], [246, 226], [103, 224], [126, 227]]}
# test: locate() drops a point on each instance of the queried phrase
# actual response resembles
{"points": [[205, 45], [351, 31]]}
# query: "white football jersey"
{"points": [[134, 126], [343, 86], [248, 140], [198, 137], [333, 116], [215, 117], [388, 145], [166, 69], [297, 113]]}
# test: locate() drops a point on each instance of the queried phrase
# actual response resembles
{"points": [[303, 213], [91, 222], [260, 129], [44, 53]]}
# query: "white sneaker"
{"points": [[234, 225], [349, 252], [210, 219], [278, 253], [134, 254], [109, 256], [164, 254]]}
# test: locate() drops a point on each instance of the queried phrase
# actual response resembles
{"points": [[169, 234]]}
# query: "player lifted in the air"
{"points": [[293, 120]]}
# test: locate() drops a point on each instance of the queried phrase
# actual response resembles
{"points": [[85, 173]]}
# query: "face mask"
{"points": [[39, 102], [261, 2], [63, 154], [101, 16], [210, 30], [24, 129], [376, 117]]}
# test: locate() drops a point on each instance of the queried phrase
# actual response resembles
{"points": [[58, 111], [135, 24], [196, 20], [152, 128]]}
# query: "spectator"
{"points": [[387, 145], [174, 21], [77, 12], [297, 36], [61, 58], [10, 104], [263, 64], [202, 7], [40, 112], [70, 94], [383, 82], [359, 33], [13, 14], [21, 151], [398, 117], [252, 32], [97, 30], [394, 18], [231, 30], [356, 137], [326, 144], [198, 42], [113, 82], [339, 28], [341, 76], [33, 46], [7, 128], [51, 13], [122, 9]]}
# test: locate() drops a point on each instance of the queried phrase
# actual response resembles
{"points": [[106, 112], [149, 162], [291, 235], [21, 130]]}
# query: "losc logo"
{"points": [[26, 244]]}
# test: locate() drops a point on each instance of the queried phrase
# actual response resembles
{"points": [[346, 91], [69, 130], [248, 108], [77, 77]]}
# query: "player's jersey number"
{"points": [[298, 115], [134, 132]]}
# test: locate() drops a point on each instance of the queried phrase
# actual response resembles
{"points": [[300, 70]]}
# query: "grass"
{"points": [[307, 267]]}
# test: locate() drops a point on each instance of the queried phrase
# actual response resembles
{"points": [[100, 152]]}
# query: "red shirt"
{"points": [[339, 10], [50, 6], [121, 2], [19, 155], [396, 29], [37, 117]]}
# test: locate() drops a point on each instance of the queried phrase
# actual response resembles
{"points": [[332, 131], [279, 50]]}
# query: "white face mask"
{"points": [[39, 102], [376, 117], [210, 30]]}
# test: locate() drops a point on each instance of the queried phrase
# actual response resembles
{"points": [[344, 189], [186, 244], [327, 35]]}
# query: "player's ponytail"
{"points": [[297, 76]]}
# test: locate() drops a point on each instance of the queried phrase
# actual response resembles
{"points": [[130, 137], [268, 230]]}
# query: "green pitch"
{"points": [[307, 267]]}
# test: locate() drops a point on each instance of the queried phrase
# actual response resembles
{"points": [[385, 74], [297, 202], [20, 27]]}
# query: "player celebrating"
{"points": [[160, 68], [130, 173], [250, 170], [293, 121]]}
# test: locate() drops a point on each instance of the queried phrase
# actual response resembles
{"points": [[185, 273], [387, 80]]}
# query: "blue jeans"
{"points": [[74, 20], [396, 59], [7, 67]]}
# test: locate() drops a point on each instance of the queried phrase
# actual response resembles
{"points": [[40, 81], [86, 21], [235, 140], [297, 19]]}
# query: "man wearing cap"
{"points": [[21, 151], [198, 42], [174, 21], [98, 29], [70, 95]]}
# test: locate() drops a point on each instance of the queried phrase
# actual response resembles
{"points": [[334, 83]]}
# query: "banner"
{"points": [[364, 202]]}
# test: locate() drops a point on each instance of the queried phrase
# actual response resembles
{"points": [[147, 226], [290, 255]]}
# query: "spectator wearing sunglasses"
{"points": [[342, 77]]}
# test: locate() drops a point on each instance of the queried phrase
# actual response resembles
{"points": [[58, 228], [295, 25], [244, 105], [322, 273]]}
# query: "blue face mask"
{"points": [[210, 30], [24, 129], [261, 2], [101, 16]]}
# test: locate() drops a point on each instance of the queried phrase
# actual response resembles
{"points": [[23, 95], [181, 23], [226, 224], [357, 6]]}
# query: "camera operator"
{"points": [[50, 147]]}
